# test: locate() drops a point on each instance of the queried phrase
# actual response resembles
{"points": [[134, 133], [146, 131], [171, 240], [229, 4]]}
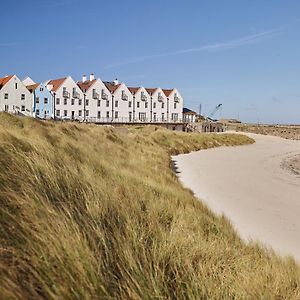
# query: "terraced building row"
{"points": [[89, 100]]}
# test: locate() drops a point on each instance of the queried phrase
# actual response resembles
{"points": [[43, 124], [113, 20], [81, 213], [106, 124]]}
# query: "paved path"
{"points": [[249, 185]]}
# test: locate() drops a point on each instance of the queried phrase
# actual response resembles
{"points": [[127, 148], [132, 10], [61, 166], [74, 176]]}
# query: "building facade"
{"points": [[68, 99], [42, 100], [98, 98], [174, 105], [141, 108], [122, 102], [14, 96]]}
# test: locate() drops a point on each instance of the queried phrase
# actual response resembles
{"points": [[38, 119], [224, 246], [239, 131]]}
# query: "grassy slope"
{"points": [[91, 212]]}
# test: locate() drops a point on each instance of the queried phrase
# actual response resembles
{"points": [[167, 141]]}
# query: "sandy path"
{"points": [[249, 185]]}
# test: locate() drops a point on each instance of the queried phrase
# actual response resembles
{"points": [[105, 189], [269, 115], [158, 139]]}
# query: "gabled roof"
{"points": [[168, 92], [151, 90], [112, 87], [133, 90], [5, 80], [32, 87], [86, 85], [57, 83]]}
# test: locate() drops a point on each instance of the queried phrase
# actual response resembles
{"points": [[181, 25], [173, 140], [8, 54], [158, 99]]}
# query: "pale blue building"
{"points": [[42, 101]]}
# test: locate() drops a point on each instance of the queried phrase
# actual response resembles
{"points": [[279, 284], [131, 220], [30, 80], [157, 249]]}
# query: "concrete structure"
{"points": [[14, 96], [141, 106], [122, 102], [174, 105], [189, 115], [98, 102], [68, 99], [42, 100]]}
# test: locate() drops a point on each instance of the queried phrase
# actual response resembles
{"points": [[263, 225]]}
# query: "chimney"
{"points": [[92, 77], [116, 82], [83, 78]]}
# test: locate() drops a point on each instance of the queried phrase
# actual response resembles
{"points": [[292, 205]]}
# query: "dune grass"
{"points": [[90, 212]]}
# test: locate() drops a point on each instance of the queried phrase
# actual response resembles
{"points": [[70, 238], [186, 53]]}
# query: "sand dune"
{"points": [[253, 186]]}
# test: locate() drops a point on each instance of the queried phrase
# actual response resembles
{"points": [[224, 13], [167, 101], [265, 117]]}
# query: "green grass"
{"points": [[91, 212]]}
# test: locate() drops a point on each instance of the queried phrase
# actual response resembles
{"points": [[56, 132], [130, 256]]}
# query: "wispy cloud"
{"points": [[8, 44], [244, 41]]}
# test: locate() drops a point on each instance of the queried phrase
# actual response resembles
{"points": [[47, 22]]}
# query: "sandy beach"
{"points": [[257, 187]]}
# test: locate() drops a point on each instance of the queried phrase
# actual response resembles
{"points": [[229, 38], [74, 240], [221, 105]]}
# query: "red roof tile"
{"points": [[151, 90], [133, 90], [5, 80], [111, 87], [168, 92], [32, 87], [57, 83], [86, 85]]}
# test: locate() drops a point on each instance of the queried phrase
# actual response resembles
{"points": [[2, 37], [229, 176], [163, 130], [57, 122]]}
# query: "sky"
{"points": [[244, 54]]}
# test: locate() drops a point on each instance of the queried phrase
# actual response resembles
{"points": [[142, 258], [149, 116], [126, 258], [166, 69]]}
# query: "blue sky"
{"points": [[244, 54]]}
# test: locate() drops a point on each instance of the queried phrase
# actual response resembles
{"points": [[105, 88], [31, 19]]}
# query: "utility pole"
{"points": [[200, 108]]}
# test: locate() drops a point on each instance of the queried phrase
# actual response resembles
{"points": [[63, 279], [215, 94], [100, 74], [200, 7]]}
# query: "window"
{"points": [[79, 102], [98, 103], [87, 113], [6, 96], [6, 107], [175, 105], [154, 104], [80, 113], [65, 101], [99, 115], [41, 89], [37, 112], [116, 114], [162, 116], [162, 105], [57, 112], [107, 114], [45, 100], [130, 116], [142, 116], [16, 85], [116, 103], [138, 104], [154, 116], [23, 97], [107, 103], [65, 113], [57, 101], [146, 104], [174, 117], [87, 102], [23, 108], [72, 101], [37, 100], [129, 103]]}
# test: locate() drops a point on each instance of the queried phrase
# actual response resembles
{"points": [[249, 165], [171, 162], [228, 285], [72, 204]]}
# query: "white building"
{"points": [[98, 99], [122, 102], [14, 96], [174, 105], [158, 103], [68, 99], [141, 109]]}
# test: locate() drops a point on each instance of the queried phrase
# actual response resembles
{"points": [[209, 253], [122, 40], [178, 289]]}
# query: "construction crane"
{"points": [[213, 112]]}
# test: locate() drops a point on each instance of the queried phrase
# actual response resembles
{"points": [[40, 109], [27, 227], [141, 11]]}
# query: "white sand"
{"points": [[251, 188]]}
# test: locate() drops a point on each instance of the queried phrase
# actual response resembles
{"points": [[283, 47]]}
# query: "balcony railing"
{"points": [[95, 96], [75, 95], [104, 96], [66, 94], [176, 99], [160, 98], [124, 97], [143, 97]]}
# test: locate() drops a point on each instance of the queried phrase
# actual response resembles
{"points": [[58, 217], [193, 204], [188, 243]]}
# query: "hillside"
{"points": [[91, 212]]}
